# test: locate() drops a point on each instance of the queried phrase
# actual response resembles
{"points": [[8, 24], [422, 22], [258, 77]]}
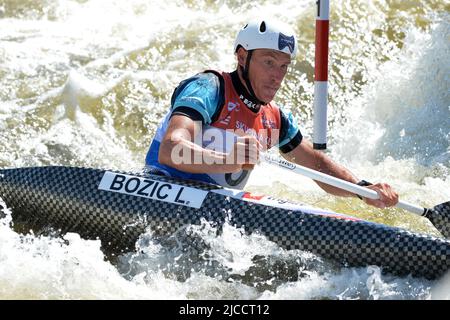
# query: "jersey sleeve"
{"points": [[198, 97], [290, 135]]}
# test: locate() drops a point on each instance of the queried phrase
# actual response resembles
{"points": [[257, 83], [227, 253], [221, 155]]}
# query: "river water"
{"points": [[86, 82]]}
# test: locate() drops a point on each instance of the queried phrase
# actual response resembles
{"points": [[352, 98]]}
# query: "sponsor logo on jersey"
{"points": [[233, 106], [268, 123], [248, 103]]}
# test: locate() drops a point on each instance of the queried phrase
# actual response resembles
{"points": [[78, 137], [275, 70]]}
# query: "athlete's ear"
{"points": [[241, 56]]}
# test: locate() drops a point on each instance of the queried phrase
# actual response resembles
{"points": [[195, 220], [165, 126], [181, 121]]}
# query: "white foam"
{"points": [[388, 121]]}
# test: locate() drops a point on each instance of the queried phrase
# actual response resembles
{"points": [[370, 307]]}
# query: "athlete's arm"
{"points": [[179, 151], [305, 155]]}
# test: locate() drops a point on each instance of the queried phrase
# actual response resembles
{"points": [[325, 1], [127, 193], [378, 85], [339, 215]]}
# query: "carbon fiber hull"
{"points": [[118, 207]]}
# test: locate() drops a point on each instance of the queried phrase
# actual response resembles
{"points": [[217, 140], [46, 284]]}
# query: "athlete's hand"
{"points": [[245, 153], [387, 196]]}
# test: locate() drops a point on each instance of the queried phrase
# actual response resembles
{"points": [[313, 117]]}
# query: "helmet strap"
{"points": [[246, 77]]}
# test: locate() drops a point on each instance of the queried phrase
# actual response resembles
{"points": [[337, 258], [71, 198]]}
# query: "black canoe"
{"points": [[117, 207]]}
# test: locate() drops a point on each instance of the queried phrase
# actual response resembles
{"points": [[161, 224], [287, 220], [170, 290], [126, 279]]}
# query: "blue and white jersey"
{"points": [[203, 97]]}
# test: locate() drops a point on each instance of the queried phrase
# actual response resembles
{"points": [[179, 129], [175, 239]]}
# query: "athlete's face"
{"points": [[267, 71]]}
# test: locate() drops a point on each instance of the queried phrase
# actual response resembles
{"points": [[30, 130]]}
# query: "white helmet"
{"points": [[267, 34]]}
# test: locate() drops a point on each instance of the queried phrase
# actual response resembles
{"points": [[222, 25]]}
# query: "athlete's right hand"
{"points": [[245, 154]]}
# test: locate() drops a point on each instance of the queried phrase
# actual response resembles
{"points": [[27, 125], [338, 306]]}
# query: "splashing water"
{"points": [[85, 83]]}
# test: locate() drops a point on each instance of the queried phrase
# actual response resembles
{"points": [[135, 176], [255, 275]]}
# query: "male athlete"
{"points": [[219, 121]]}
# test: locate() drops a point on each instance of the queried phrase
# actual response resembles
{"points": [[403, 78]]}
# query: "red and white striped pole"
{"points": [[321, 75]]}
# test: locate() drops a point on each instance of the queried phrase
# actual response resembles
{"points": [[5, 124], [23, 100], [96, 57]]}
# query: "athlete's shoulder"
{"points": [[201, 83], [290, 134], [272, 106], [202, 92], [209, 78]]}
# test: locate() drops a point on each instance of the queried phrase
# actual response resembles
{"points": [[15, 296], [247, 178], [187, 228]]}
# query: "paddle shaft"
{"points": [[336, 182]]}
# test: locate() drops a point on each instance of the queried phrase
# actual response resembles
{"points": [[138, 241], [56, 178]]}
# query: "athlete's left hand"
{"points": [[387, 196]]}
